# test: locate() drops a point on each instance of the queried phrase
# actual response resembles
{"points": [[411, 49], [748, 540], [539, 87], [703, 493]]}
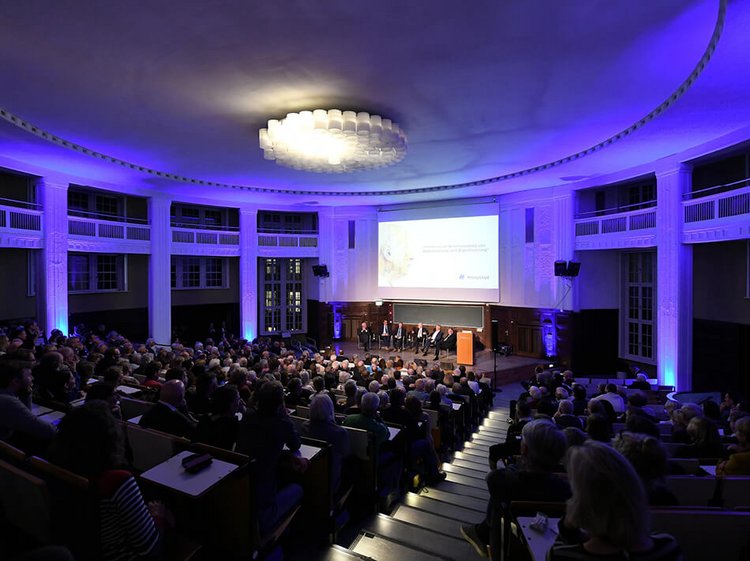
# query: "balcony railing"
{"points": [[19, 218], [287, 240], [629, 221], [107, 229], [205, 237], [713, 205]]}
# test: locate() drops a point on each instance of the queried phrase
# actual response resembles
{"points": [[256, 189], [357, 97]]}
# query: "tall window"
{"points": [[638, 309], [282, 287], [91, 272], [199, 272]]}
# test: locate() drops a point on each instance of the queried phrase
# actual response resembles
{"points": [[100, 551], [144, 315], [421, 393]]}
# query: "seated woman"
{"points": [[322, 426], [221, 426], [91, 444], [739, 461], [705, 441], [608, 515], [649, 458]]}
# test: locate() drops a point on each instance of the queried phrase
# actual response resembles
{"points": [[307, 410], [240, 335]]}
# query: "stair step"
{"points": [[488, 440], [469, 481], [456, 499], [419, 538], [443, 509], [488, 429], [465, 490], [473, 473], [380, 548], [471, 465], [473, 452], [434, 522], [338, 553]]}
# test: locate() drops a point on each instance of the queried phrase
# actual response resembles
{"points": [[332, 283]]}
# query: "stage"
{"points": [[509, 369]]}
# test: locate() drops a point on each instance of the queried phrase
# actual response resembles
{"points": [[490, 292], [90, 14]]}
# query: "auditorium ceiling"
{"points": [[494, 96]]}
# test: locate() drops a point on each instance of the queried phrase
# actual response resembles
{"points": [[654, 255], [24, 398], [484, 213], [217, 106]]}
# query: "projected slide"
{"points": [[453, 254]]}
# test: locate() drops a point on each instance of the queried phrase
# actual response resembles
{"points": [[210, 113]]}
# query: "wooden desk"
{"points": [[135, 420], [539, 543], [306, 451], [393, 432], [171, 474]]}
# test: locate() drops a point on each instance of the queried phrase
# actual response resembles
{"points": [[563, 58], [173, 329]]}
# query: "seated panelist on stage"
{"points": [[448, 343], [385, 334], [420, 334], [364, 336], [433, 340], [398, 335]]}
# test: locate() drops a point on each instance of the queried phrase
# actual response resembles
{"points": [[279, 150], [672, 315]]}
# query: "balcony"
{"points": [[89, 231], [20, 224], [283, 243], [623, 227], [201, 239], [717, 213]]}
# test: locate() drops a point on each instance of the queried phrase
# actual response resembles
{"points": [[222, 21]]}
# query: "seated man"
{"points": [[542, 447], [165, 416], [18, 425], [433, 340], [385, 334], [399, 336], [364, 336], [417, 337], [448, 343]]}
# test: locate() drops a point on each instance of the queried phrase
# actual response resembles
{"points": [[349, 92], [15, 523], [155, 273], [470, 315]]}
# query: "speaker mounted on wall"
{"points": [[320, 271], [567, 268]]}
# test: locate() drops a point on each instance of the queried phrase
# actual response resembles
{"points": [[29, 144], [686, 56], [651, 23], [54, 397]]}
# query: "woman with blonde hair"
{"points": [[608, 515]]}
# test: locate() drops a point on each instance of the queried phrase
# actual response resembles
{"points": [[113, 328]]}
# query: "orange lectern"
{"points": [[465, 348]]}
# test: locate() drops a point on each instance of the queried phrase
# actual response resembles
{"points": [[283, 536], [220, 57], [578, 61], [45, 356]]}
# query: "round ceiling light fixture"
{"points": [[333, 141]]}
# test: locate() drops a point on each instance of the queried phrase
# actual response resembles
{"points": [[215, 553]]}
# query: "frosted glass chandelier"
{"points": [[333, 141]]}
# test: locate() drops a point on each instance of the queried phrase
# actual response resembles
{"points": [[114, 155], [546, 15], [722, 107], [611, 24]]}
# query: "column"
{"points": [[54, 271], [563, 220], [159, 268], [674, 282], [248, 273]]}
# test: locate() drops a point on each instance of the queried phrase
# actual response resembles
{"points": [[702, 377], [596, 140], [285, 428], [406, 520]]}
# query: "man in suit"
{"points": [[420, 334], [385, 334], [398, 336], [364, 336], [165, 416], [433, 340], [448, 343]]}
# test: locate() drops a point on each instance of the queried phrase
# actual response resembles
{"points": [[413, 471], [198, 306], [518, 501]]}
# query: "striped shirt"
{"points": [[127, 530]]}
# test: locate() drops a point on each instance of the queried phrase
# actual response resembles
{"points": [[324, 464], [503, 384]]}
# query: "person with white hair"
{"points": [[542, 447], [368, 419], [322, 426]]}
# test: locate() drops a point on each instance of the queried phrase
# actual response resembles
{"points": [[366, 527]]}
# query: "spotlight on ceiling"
{"points": [[333, 141]]}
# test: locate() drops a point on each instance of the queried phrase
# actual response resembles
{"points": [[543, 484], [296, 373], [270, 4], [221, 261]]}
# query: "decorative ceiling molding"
{"points": [[661, 108]]}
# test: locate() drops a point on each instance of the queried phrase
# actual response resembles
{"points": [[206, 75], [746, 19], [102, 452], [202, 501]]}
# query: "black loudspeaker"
{"points": [[567, 268], [494, 331], [320, 271]]}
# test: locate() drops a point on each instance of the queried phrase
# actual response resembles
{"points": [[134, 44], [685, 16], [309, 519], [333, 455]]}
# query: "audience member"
{"points": [[165, 415], [608, 514]]}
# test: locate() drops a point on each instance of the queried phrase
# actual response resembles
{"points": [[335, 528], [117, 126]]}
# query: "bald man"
{"points": [[165, 415]]}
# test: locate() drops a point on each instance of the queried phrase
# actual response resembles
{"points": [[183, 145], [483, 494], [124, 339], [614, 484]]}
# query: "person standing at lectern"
{"points": [[448, 343], [364, 336]]}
